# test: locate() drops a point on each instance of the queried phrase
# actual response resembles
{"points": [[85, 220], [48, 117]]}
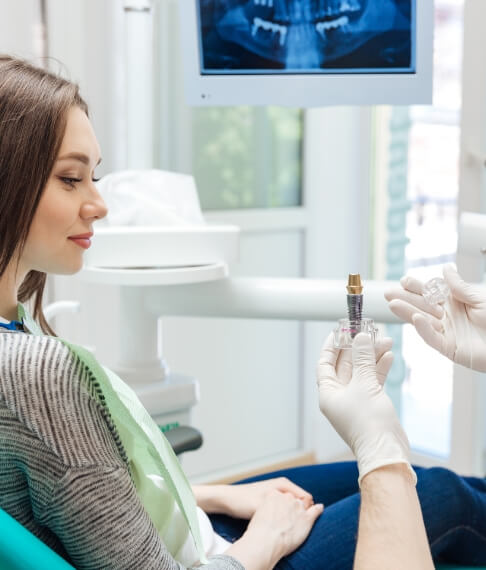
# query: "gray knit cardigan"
{"points": [[63, 472]]}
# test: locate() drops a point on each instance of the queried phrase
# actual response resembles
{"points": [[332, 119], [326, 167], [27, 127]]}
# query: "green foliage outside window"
{"points": [[247, 157]]}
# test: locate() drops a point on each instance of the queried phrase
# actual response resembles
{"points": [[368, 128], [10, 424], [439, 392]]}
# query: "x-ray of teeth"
{"points": [[307, 36]]}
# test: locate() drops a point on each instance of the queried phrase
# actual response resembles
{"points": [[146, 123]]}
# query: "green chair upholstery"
{"points": [[21, 550]]}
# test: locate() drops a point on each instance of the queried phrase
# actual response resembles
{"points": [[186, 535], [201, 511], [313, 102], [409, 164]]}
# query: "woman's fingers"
{"points": [[314, 512], [287, 486], [288, 516]]}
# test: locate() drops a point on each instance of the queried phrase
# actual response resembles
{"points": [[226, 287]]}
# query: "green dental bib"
{"points": [[156, 472]]}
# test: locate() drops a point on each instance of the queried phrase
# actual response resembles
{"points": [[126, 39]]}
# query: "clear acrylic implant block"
{"points": [[347, 329], [435, 291]]}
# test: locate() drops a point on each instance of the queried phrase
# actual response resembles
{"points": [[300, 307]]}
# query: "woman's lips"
{"points": [[82, 242]]}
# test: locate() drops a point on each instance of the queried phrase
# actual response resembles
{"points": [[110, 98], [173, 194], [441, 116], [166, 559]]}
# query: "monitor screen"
{"points": [[314, 36], [307, 52]]}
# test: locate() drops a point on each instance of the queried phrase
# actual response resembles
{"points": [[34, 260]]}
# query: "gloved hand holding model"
{"points": [[352, 397], [457, 328]]}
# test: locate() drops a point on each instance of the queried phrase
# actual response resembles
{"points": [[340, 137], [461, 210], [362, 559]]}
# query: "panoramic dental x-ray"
{"points": [[278, 36]]}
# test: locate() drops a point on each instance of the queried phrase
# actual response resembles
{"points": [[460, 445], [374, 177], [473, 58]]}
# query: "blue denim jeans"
{"points": [[453, 507]]}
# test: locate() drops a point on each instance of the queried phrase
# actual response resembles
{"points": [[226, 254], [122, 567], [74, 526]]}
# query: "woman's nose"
{"points": [[102, 210], [94, 208]]}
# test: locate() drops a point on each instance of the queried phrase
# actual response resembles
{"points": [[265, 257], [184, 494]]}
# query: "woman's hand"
{"points": [[242, 501], [280, 524], [285, 518], [245, 499]]}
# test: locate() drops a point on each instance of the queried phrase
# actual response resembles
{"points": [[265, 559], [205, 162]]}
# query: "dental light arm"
{"points": [[265, 298]]}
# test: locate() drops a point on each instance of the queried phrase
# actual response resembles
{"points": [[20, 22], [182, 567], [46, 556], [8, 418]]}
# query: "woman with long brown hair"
{"points": [[66, 470]]}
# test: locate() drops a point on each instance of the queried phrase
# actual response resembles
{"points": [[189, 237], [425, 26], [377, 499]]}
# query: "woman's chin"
{"points": [[74, 270], [68, 269]]}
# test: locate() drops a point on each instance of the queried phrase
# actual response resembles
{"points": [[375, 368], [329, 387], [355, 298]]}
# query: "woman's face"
{"points": [[69, 205]]}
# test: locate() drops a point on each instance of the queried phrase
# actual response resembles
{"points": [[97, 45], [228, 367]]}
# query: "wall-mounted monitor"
{"points": [[307, 53]]}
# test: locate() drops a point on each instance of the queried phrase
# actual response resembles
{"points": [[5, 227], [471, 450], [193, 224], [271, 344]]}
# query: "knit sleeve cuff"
{"points": [[223, 562]]}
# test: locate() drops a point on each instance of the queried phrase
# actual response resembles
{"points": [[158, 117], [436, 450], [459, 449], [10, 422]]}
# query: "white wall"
{"points": [[81, 40], [16, 27], [86, 37]]}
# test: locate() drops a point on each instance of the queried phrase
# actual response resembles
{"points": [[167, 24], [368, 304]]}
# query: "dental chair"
{"points": [[21, 550]]}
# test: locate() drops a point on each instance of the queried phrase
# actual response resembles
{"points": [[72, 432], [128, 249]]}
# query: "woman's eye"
{"points": [[70, 181], [96, 179]]}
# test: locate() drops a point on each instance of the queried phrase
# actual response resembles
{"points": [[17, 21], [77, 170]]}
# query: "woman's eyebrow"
{"points": [[84, 158]]}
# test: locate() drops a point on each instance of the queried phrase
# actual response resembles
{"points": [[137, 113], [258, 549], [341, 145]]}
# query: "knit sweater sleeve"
{"points": [[103, 526]]}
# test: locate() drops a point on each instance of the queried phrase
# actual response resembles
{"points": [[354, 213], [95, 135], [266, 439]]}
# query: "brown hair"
{"points": [[33, 115]]}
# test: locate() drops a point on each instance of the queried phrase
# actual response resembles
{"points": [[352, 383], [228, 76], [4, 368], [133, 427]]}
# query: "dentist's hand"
{"points": [[352, 397], [457, 329]]}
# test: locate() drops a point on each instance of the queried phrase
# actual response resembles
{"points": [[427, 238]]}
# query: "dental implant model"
{"points": [[348, 328], [354, 297]]}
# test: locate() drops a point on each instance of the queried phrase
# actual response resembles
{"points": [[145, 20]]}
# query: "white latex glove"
{"points": [[352, 397], [457, 329]]}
